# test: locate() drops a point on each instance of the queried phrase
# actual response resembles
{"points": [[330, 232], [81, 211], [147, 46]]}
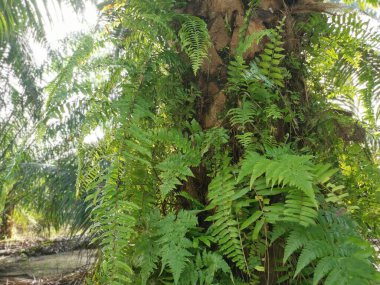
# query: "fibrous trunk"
{"points": [[6, 219]]}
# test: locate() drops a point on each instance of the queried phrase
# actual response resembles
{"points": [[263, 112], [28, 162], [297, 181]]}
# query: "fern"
{"points": [[311, 251], [174, 245], [108, 226], [225, 228], [255, 37], [236, 68], [206, 266], [195, 40], [331, 245], [324, 266], [243, 115], [158, 159], [167, 243], [293, 176], [174, 169], [148, 256], [185, 153], [270, 59], [299, 208], [245, 140], [288, 169], [296, 240]]}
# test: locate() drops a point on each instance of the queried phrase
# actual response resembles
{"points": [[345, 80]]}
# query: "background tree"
{"points": [[21, 108]]}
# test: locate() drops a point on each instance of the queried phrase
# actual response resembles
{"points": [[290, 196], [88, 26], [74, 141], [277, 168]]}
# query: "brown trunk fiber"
{"points": [[6, 218], [7, 223]]}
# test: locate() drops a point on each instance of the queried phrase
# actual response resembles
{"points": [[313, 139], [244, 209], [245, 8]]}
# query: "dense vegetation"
{"points": [[241, 140]]}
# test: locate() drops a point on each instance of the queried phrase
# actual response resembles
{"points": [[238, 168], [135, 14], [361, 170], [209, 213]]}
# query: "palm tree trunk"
{"points": [[225, 20], [6, 217]]}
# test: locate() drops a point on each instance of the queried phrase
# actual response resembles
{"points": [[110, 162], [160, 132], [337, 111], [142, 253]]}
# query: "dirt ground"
{"points": [[31, 264]]}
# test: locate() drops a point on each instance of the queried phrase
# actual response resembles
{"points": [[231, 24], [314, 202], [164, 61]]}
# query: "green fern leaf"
{"points": [[195, 40], [295, 240], [312, 251], [174, 246], [225, 227], [324, 266]]}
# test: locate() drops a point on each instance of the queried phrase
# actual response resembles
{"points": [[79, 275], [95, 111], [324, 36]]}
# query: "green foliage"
{"points": [[207, 265], [334, 249], [168, 202], [225, 228], [173, 243], [350, 58], [195, 40], [114, 229], [287, 169], [81, 54], [242, 116], [270, 59], [17, 15], [342, 61], [266, 191], [166, 242]]}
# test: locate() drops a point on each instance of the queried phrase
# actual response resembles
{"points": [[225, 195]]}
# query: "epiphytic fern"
{"points": [[270, 59], [293, 176], [175, 168], [236, 68], [241, 116], [225, 228], [195, 40], [292, 170], [184, 152], [174, 246]]}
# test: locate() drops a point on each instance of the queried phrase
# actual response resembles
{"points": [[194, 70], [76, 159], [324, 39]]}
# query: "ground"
{"points": [[62, 261]]}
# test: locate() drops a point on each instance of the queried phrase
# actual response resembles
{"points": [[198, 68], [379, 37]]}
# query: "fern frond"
{"points": [[175, 169], [270, 59], [195, 40], [225, 228], [312, 250], [292, 170], [245, 140], [174, 246], [243, 115], [204, 269], [299, 208], [249, 40], [330, 245], [107, 227], [324, 266], [296, 240], [236, 68], [148, 259]]}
